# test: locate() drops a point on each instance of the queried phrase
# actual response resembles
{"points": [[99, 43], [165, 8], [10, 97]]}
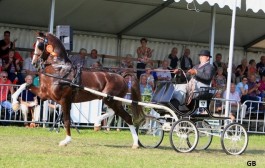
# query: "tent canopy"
{"points": [[143, 18]]}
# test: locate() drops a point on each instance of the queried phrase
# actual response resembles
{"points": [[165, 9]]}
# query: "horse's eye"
{"points": [[41, 46]]}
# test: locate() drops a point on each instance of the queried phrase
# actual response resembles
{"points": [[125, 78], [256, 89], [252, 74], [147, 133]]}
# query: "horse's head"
{"points": [[48, 45]]}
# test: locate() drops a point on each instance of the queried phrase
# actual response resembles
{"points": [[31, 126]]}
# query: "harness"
{"points": [[48, 50]]}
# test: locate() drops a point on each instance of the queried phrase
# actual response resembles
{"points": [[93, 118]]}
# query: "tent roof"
{"points": [[144, 18]]}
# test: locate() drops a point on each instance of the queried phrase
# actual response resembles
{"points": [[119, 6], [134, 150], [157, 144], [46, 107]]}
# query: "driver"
{"points": [[202, 75]]}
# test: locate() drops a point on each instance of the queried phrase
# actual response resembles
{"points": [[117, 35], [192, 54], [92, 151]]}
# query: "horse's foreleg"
{"points": [[66, 107], [17, 93], [135, 137]]}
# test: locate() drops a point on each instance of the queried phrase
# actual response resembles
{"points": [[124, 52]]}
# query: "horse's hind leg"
{"points": [[66, 107], [119, 110]]}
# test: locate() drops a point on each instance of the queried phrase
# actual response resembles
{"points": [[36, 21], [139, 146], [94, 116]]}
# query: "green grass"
{"points": [[24, 147]]}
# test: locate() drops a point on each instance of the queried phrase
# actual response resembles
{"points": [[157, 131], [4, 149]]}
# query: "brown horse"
{"points": [[57, 75]]}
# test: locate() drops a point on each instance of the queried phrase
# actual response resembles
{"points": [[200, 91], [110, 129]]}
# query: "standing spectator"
{"points": [[144, 55], [80, 59], [219, 64], [29, 103], [163, 73], [261, 66], [241, 70], [13, 67], [4, 89], [6, 44], [93, 58]]}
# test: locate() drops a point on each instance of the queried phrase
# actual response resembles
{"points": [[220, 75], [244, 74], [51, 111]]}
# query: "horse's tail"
{"points": [[137, 111]]}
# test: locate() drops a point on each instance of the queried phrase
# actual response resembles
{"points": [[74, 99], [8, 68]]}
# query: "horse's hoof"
{"points": [[97, 128], [62, 144], [135, 146]]}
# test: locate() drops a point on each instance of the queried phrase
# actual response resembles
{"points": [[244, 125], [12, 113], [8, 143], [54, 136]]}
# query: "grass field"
{"points": [[23, 147]]}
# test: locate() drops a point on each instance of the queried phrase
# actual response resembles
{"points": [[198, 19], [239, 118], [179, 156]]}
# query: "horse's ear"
{"points": [[40, 34]]}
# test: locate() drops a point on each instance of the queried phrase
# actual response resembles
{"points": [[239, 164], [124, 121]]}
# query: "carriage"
{"points": [[64, 83], [189, 128]]}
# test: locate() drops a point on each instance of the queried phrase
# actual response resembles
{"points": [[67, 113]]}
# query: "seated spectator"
{"points": [[219, 80], [219, 64], [127, 62], [262, 87], [149, 74], [93, 58], [241, 70], [145, 87], [80, 59], [252, 70], [163, 73], [28, 68], [13, 67], [29, 103], [173, 58], [235, 104], [4, 90]]}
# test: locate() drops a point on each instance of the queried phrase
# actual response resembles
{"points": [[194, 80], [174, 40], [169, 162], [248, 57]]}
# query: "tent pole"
{"points": [[52, 16], [231, 50], [212, 33]]}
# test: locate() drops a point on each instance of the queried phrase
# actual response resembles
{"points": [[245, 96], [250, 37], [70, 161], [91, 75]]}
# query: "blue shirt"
{"points": [[27, 95]]}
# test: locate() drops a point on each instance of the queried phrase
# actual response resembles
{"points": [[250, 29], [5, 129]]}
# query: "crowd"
{"points": [[248, 78]]}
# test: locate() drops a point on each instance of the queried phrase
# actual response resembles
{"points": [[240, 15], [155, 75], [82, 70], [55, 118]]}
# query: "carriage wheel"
{"points": [[234, 139], [205, 135], [183, 136], [150, 132]]}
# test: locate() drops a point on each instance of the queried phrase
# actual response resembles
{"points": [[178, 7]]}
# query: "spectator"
{"points": [[144, 55], [127, 62], [247, 89], [185, 64], [219, 81], [262, 87], [5, 88], [93, 58], [13, 67], [242, 87], [185, 61], [29, 103], [252, 69], [163, 73], [145, 87], [149, 75], [80, 59], [28, 68], [219, 64], [261, 66], [235, 104], [173, 58], [6, 44], [241, 70]]}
